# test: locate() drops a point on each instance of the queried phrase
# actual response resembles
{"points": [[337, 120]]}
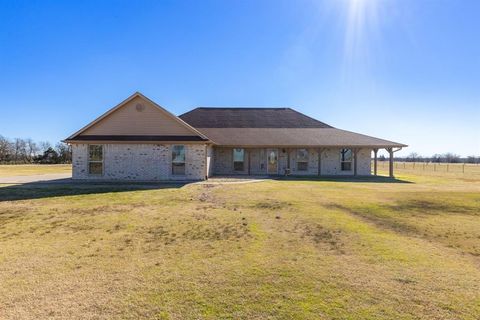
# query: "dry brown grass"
{"points": [[269, 250], [32, 169]]}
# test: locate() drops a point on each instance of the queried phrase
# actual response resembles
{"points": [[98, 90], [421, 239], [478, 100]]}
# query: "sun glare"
{"points": [[361, 20], [361, 29]]}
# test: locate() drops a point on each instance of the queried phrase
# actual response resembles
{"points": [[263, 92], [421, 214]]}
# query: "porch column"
{"points": [[375, 151], [288, 160], [390, 168], [355, 151], [249, 158]]}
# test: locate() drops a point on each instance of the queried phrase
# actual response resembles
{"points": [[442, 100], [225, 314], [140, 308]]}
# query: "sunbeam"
{"points": [[361, 33]]}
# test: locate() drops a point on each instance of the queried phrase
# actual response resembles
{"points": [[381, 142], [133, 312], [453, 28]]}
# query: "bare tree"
{"points": [[5, 149], [473, 159], [19, 150], [413, 157], [44, 146], [32, 149], [64, 152], [451, 157]]}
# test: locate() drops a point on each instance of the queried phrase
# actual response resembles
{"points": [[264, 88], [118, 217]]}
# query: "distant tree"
{"points": [[64, 152], [49, 156], [19, 150], [451, 157], [436, 158], [5, 149], [413, 157], [32, 149], [472, 159], [44, 146], [382, 158]]}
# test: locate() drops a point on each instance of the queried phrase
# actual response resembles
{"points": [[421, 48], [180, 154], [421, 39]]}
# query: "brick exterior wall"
{"points": [[223, 164], [139, 162], [152, 162]]}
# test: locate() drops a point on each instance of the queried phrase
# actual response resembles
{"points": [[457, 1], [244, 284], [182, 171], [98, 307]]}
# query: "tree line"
{"points": [[436, 158], [23, 151]]}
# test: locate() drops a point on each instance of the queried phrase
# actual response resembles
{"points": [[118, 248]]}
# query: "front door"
{"points": [[272, 161]]}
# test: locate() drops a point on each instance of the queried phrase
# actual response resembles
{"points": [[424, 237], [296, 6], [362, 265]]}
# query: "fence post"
{"points": [[434, 167]]}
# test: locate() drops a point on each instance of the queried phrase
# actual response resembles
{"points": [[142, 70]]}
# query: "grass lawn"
{"points": [[285, 249], [32, 169]]}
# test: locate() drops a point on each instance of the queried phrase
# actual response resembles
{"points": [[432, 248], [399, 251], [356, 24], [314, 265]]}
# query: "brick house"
{"points": [[140, 140]]}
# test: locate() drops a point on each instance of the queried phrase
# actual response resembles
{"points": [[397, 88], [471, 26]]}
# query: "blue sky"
{"points": [[404, 70]]}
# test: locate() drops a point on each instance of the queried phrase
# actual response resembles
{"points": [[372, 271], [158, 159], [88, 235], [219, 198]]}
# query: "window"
{"points": [[95, 159], [238, 159], [302, 160], [346, 159], [178, 160]]}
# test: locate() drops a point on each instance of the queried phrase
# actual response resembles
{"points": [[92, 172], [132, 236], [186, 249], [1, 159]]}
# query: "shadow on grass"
{"points": [[371, 179], [65, 187]]}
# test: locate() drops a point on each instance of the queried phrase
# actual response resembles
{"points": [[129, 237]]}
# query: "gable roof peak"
{"points": [[125, 102]]}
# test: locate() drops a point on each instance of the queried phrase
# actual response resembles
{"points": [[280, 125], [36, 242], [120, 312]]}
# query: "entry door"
{"points": [[272, 161]]}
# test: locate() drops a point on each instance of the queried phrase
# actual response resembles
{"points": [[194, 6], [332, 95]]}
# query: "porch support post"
{"points": [[288, 161], [265, 160], [249, 158], [375, 158], [390, 167], [355, 151]]}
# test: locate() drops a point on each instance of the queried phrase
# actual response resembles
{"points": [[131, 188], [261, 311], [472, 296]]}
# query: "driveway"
{"points": [[44, 178], [55, 178]]}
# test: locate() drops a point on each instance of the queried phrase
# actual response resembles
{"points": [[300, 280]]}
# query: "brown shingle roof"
{"points": [[275, 127], [249, 118], [290, 137]]}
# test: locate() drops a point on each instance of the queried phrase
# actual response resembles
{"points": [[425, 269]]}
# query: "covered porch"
{"points": [[298, 161]]}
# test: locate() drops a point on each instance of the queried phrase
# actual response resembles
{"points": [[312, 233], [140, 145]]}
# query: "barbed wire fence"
{"points": [[465, 168]]}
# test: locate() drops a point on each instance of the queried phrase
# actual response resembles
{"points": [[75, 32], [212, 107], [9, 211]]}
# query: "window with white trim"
{"points": [[95, 159], [302, 159], [346, 159], [178, 160], [238, 159]]}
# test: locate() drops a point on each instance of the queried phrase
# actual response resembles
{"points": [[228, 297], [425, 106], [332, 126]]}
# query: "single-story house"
{"points": [[140, 140]]}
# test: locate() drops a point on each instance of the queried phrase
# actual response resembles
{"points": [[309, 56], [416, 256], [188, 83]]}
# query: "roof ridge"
{"points": [[244, 107]]}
